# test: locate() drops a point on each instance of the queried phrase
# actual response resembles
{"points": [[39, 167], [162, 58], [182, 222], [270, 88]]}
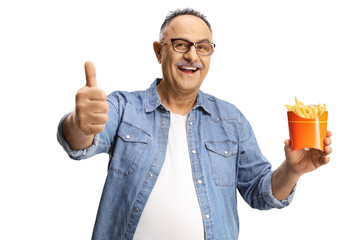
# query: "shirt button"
{"points": [[191, 123], [199, 181], [127, 136], [136, 209], [207, 216], [226, 152], [150, 175], [193, 151], [163, 122]]}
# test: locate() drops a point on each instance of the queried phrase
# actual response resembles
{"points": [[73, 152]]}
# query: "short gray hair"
{"points": [[179, 12]]}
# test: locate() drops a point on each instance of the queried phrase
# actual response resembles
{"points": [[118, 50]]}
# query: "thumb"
{"points": [[287, 146], [90, 74]]}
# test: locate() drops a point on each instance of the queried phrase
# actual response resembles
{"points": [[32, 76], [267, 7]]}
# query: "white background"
{"points": [[267, 53]]}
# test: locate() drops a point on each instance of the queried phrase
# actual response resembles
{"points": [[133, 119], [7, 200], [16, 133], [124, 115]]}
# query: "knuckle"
{"points": [[103, 118], [106, 117], [102, 94], [80, 99], [82, 117], [101, 128], [80, 93], [97, 129], [82, 108], [104, 107]]}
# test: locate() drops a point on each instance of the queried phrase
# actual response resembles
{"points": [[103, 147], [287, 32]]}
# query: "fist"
{"points": [[91, 106]]}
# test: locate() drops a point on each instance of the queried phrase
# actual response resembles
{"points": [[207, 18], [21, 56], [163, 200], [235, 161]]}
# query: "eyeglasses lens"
{"points": [[183, 46]]}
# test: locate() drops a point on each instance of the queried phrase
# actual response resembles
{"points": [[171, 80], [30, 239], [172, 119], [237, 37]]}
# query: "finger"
{"points": [[327, 141], [96, 94], [98, 118], [327, 150], [95, 129], [328, 133], [86, 94], [99, 106], [325, 160], [93, 107], [90, 74]]}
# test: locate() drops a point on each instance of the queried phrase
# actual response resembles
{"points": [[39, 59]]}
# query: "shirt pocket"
{"points": [[223, 155], [130, 146]]}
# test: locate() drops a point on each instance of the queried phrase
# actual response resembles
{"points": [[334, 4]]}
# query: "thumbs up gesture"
{"points": [[91, 107]]}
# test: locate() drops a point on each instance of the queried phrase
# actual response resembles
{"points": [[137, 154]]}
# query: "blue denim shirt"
{"points": [[224, 157]]}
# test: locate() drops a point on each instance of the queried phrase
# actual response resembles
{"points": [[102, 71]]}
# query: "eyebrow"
{"points": [[202, 40]]}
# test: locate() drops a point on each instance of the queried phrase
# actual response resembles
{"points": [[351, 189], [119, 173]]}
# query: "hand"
{"points": [[303, 161], [90, 113]]}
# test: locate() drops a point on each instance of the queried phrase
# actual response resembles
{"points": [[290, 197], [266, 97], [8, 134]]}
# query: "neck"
{"points": [[176, 101]]}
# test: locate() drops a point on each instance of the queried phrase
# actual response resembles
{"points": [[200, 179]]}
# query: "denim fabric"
{"points": [[224, 157]]}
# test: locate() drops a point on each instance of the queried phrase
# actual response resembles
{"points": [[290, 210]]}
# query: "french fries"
{"points": [[309, 111]]}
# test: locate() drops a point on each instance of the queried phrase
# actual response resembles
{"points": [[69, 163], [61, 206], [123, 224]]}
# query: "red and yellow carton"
{"points": [[307, 132], [307, 125]]}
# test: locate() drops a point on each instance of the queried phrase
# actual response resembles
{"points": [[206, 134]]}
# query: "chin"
{"points": [[190, 84]]}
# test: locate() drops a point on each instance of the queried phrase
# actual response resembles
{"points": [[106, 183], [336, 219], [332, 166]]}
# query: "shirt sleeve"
{"points": [[102, 142], [254, 173], [268, 197]]}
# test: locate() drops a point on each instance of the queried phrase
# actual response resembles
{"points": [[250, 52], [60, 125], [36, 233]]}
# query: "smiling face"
{"points": [[183, 73]]}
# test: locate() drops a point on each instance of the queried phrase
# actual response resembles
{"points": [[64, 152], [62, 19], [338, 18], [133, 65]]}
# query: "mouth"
{"points": [[188, 69]]}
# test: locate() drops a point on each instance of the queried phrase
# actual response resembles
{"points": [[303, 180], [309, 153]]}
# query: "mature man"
{"points": [[177, 155]]}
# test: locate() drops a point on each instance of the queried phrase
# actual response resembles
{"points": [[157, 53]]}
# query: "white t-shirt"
{"points": [[173, 210]]}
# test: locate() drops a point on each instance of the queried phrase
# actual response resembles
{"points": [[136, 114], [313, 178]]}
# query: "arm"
{"points": [[254, 172], [90, 113], [296, 164]]}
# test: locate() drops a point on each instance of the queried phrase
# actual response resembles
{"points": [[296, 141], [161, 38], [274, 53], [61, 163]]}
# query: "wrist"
{"points": [[74, 125], [283, 181], [291, 170]]}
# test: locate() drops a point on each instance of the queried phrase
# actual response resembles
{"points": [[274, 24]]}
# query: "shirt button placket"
{"points": [[200, 181]]}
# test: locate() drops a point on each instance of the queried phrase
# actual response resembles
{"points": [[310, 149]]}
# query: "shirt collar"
{"points": [[152, 99]]}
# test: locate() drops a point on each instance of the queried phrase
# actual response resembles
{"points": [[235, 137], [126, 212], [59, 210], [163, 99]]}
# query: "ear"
{"points": [[157, 49]]}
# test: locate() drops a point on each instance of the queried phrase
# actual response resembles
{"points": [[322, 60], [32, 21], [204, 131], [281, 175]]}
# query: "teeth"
{"points": [[188, 68]]}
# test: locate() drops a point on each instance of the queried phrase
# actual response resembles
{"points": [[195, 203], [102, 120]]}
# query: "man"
{"points": [[177, 155]]}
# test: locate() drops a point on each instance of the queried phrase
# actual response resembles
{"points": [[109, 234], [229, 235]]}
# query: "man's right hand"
{"points": [[91, 107], [90, 113]]}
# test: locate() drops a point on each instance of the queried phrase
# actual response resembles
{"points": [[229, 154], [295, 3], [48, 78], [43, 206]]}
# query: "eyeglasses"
{"points": [[181, 45]]}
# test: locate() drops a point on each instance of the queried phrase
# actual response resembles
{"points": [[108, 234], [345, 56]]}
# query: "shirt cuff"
{"points": [[76, 154], [269, 198]]}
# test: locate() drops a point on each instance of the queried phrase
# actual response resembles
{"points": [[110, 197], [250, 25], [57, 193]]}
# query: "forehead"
{"points": [[189, 27]]}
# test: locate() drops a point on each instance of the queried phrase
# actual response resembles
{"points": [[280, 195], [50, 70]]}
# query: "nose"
{"points": [[191, 55]]}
